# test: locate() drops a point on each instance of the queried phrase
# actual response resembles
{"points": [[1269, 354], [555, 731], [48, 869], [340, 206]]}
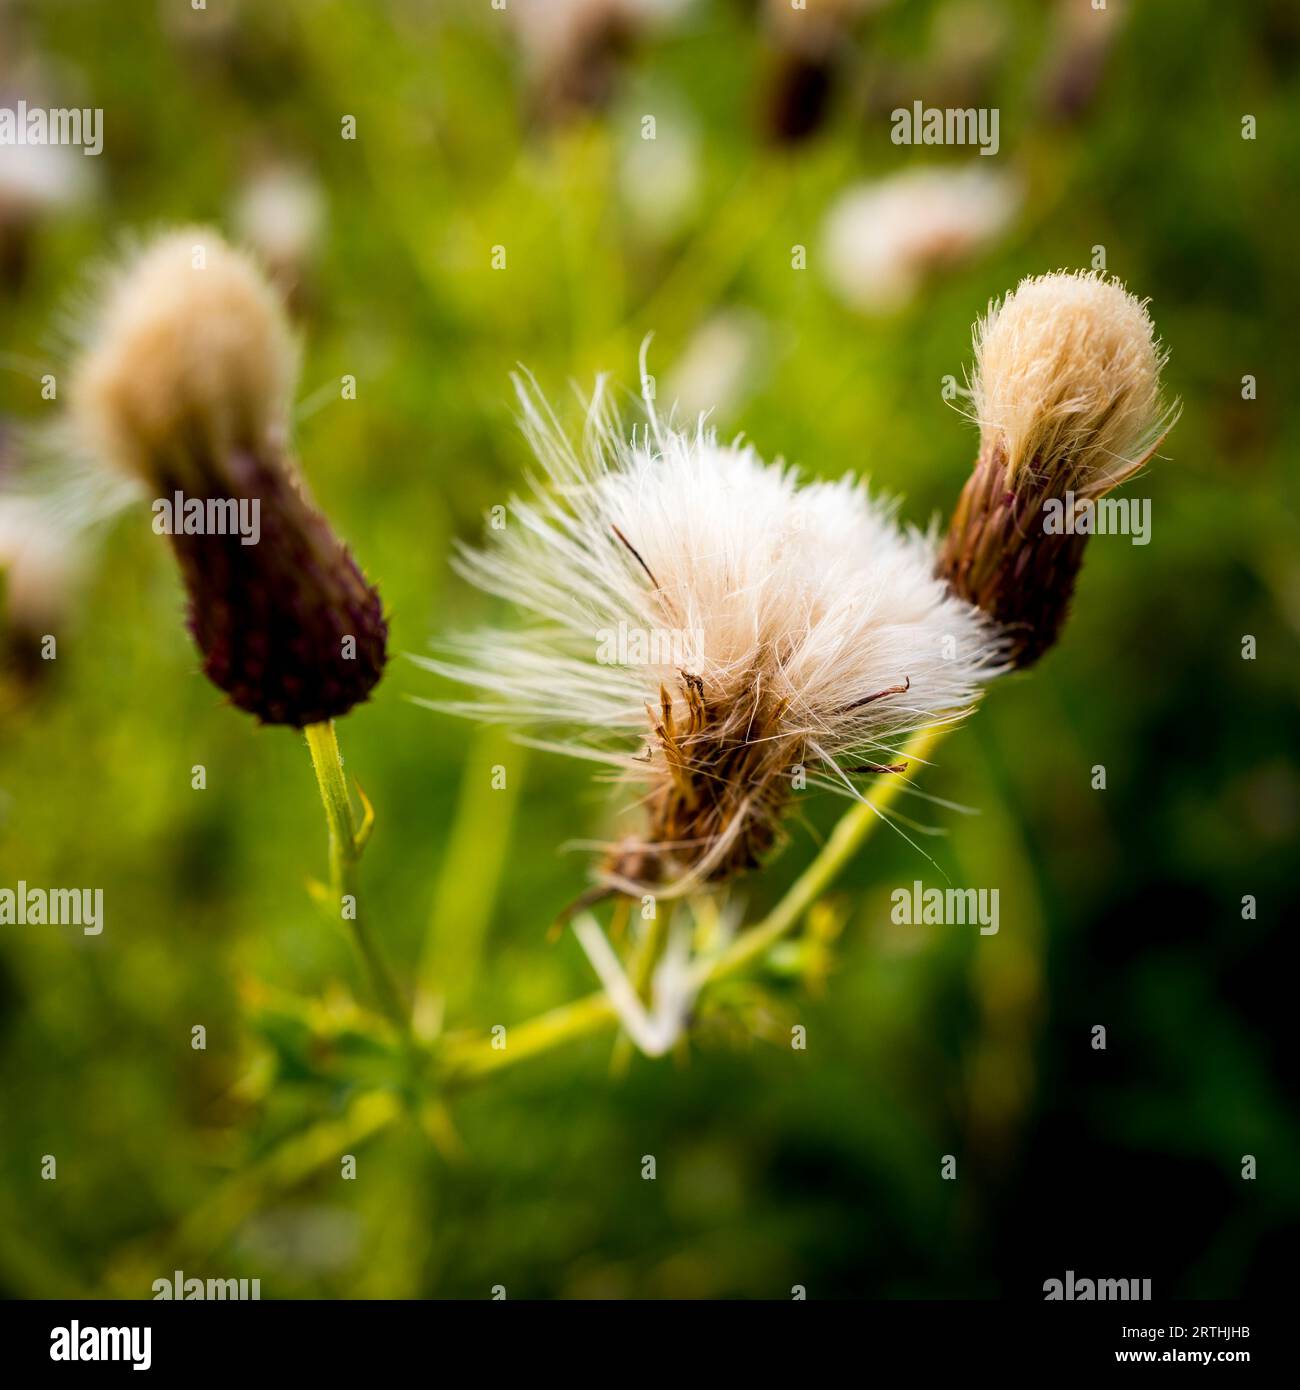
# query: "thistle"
{"points": [[185, 384], [812, 48], [575, 50], [715, 631], [1066, 392]]}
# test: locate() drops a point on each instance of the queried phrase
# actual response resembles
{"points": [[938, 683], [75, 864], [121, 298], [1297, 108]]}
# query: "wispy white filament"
{"points": [[655, 1030]]}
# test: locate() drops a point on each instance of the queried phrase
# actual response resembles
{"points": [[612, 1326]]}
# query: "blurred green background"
{"points": [[775, 1167]]}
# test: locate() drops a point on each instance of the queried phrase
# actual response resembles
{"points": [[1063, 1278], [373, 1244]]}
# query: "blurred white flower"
{"points": [[280, 213], [37, 179], [659, 179], [881, 239], [41, 562], [717, 367], [40, 566]]}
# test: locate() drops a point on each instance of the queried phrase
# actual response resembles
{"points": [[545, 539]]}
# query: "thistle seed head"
{"points": [[1067, 395], [716, 631], [185, 383]]}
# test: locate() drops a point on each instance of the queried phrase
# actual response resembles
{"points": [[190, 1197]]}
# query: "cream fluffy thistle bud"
{"points": [[715, 631], [1066, 392], [185, 384]]}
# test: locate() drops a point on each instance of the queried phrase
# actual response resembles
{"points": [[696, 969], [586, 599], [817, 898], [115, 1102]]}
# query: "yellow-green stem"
{"points": [[346, 844], [476, 1057]]}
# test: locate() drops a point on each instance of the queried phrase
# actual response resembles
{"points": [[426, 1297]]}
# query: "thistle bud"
{"points": [[185, 384], [1066, 392]]}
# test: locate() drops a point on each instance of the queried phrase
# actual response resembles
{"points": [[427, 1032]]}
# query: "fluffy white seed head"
{"points": [[707, 625], [1067, 380], [189, 357]]}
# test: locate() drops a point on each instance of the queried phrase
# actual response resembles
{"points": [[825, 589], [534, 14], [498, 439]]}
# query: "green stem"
{"points": [[210, 1224], [347, 841], [472, 1058]]}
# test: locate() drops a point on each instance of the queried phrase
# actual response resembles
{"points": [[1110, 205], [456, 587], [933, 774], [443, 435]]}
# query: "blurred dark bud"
{"points": [[249, 47], [799, 91], [812, 47], [15, 255], [1279, 36], [1076, 63], [574, 51]]}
